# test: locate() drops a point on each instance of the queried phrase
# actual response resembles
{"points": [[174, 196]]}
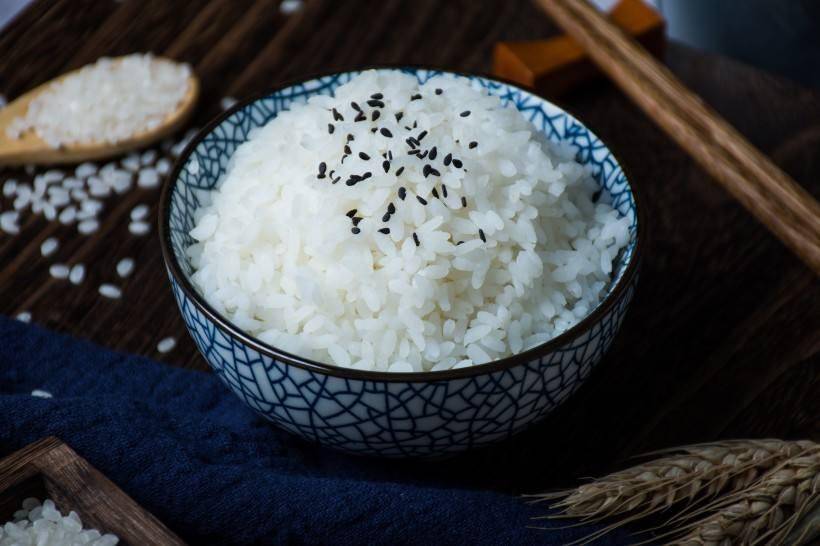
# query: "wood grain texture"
{"points": [[789, 211], [721, 340], [51, 469]]}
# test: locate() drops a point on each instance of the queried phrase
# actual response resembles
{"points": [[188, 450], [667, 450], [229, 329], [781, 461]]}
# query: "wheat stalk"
{"points": [[696, 474], [768, 512]]}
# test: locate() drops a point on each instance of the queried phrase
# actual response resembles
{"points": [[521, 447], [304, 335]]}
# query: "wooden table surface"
{"points": [[722, 340]]}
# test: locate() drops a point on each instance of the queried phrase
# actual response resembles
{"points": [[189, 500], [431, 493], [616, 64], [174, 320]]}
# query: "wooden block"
{"points": [[557, 65], [50, 469]]}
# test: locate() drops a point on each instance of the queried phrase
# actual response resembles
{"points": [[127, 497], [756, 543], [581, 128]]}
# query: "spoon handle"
{"points": [[771, 195]]}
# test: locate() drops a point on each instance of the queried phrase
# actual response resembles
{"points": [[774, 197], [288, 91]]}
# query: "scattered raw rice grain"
{"points": [[139, 212], [166, 345], [8, 222], [148, 178], [163, 166], [77, 274], [148, 157], [125, 267], [110, 291], [49, 246], [84, 170], [23, 316], [88, 226], [39, 393], [59, 271], [139, 228]]}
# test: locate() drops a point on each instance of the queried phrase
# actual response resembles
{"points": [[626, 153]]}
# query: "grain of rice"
{"points": [[139, 228], [39, 393], [89, 226], [49, 246], [110, 291], [8, 222], [148, 178], [163, 166], [166, 345], [84, 170], [58, 271], [77, 274], [125, 267], [23, 316], [139, 212]]}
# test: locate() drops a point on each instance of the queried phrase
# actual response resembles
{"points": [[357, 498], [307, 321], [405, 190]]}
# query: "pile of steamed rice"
{"points": [[298, 245]]}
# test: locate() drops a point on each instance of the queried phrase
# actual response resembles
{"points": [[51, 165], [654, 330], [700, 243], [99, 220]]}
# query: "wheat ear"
{"points": [[768, 512]]}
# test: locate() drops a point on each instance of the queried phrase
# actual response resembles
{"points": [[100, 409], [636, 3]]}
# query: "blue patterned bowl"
{"points": [[380, 413]]}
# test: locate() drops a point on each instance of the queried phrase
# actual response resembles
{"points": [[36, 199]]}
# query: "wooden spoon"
{"points": [[30, 149]]}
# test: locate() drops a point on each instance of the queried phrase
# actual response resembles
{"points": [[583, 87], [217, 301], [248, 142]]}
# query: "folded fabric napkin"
{"points": [[191, 453]]}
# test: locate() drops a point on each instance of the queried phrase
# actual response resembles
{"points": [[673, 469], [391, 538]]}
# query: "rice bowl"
{"points": [[391, 413], [405, 227]]}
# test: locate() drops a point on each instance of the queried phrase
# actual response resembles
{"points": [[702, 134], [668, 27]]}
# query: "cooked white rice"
{"points": [[276, 251]]}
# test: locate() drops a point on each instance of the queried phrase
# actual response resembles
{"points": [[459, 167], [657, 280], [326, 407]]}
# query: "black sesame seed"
{"points": [[465, 113], [421, 199], [356, 231], [350, 137], [439, 91], [399, 115], [390, 155], [434, 171], [330, 174], [321, 175], [463, 201], [421, 136], [391, 208], [375, 115], [407, 127], [426, 171], [355, 106], [414, 152], [322, 167], [385, 230], [444, 190], [447, 159], [473, 144], [435, 193], [366, 175], [375, 103], [356, 220], [351, 213], [348, 151], [433, 153], [364, 156], [402, 191], [457, 163], [330, 128], [337, 116], [412, 142], [423, 155], [352, 180], [401, 170], [481, 234], [386, 133], [373, 129], [460, 243], [386, 217], [415, 124], [386, 166], [417, 96], [360, 117], [416, 239], [335, 180], [377, 96]]}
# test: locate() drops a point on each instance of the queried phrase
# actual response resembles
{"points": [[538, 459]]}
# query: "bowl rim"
{"points": [[535, 353]]}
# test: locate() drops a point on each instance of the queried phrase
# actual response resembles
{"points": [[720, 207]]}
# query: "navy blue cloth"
{"points": [[190, 452]]}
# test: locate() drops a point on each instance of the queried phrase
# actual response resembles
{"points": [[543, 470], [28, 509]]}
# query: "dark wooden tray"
{"points": [[50, 469]]}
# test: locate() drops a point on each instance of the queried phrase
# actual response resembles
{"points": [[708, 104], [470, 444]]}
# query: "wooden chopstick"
{"points": [[771, 195]]}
